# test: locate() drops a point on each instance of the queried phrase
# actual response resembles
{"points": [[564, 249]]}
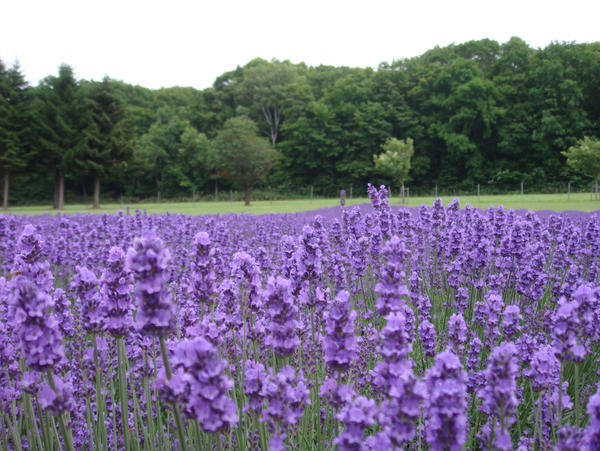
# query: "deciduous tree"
{"points": [[238, 154], [585, 157]]}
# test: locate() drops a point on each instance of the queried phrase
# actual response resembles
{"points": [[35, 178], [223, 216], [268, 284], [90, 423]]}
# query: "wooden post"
{"points": [[436, 190], [230, 195], [350, 193], [311, 193], [521, 192], [271, 194], [158, 197], [478, 192], [569, 191]]}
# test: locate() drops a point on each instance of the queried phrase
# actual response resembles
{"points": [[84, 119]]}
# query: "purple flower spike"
{"points": [[339, 343], [149, 260], [499, 394], [202, 370], [59, 400], [592, 432], [115, 292], [281, 309], [446, 404], [356, 417], [85, 284], [36, 327]]}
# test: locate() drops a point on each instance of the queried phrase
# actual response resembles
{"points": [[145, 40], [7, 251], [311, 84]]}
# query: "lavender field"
{"points": [[367, 328]]}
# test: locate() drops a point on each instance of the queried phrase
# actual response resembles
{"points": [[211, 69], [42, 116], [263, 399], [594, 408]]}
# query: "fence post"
{"points": [[521, 192], [158, 197], [390, 190], [271, 194], [230, 195], [436, 190], [569, 191], [311, 193], [478, 192], [350, 193]]}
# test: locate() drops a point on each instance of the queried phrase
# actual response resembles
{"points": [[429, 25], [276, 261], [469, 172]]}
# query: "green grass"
{"points": [[556, 202]]}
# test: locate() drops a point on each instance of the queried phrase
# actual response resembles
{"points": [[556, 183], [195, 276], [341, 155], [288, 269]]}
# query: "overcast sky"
{"points": [[190, 43]]}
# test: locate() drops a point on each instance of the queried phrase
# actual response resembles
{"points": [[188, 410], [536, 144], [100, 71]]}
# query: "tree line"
{"points": [[477, 112]]}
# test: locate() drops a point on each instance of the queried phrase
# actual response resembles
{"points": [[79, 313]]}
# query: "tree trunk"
{"points": [[96, 191], [84, 191], [247, 197], [216, 190], [5, 199], [402, 193], [55, 195], [61, 191]]}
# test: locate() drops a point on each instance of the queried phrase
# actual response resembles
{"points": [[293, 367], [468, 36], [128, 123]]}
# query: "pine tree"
{"points": [[15, 131]]}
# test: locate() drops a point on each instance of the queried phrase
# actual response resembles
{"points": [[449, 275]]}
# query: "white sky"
{"points": [[190, 43]]}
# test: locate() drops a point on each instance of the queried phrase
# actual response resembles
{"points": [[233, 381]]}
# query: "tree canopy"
{"points": [[585, 157], [480, 112], [241, 156]]}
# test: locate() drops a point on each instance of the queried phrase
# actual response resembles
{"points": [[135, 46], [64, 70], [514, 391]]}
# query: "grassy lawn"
{"points": [[556, 202]]}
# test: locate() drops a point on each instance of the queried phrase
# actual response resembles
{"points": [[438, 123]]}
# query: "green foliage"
{"points": [[584, 156], [239, 155], [481, 112], [395, 160]]}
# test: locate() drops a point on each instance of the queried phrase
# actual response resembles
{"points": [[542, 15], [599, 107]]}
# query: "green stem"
{"points": [[123, 395], [33, 422], [64, 430], [178, 422], [149, 419], [101, 435]]}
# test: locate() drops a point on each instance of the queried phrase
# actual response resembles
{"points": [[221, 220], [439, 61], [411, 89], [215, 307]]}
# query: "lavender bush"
{"points": [[368, 327]]}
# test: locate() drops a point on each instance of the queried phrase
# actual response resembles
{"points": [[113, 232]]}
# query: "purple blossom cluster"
{"points": [[363, 327]]}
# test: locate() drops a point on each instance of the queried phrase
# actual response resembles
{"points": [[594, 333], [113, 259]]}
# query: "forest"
{"points": [[480, 112]]}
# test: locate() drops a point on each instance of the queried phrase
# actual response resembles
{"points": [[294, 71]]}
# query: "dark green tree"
{"points": [[15, 125], [240, 155], [63, 117], [109, 145]]}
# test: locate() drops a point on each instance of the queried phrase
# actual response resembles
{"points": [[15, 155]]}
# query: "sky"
{"points": [[190, 43]]}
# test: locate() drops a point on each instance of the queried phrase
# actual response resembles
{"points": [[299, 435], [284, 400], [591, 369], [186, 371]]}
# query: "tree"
{"points": [[15, 133], [109, 136], [395, 160], [264, 91], [585, 157], [241, 156], [63, 116]]}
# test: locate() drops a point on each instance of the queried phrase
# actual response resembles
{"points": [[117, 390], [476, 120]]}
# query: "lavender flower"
{"points": [[445, 404], [148, 260], [85, 284], [339, 343], [391, 289], [200, 368], [499, 393], [592, 432], [356, 417], [35, 327], [115, 292], [57, 400], [427, 336], [282, 312], [457, 333]]}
